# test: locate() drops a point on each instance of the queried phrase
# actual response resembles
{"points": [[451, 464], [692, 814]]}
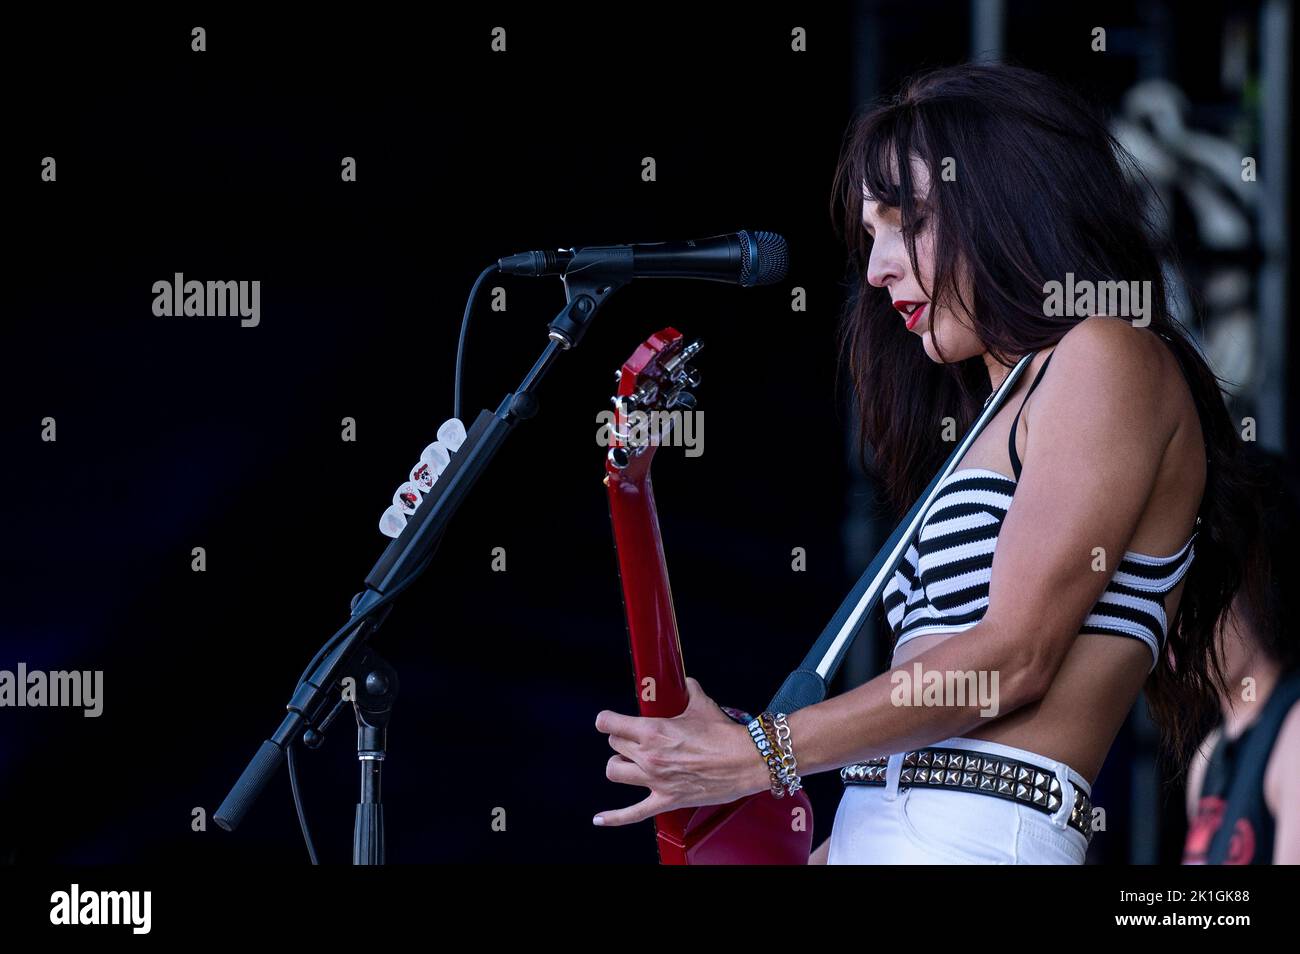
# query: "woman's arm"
{"points": [[877, 718], [1282, 796], [1099, 429]]}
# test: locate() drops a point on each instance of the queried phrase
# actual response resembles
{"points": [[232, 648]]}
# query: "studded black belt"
{"points": [[977, 772]]}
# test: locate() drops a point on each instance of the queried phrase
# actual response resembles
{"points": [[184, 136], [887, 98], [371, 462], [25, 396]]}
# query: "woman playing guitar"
{"points": [[1086, 546]]}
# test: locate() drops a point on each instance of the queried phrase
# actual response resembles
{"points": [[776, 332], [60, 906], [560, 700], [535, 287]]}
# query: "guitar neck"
{"points": [[647, 597]]}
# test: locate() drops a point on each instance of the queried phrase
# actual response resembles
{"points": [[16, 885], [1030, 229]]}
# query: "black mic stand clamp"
{"points": [[592, 275]]}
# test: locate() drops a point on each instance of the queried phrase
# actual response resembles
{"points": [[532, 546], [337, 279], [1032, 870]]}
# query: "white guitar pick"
{"points": [[436, 456], [423, 476], [408, 497], [393, 522], [451, 434]]}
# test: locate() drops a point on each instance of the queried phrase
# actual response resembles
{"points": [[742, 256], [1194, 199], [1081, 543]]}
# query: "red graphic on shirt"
{"points": [[1209, 818]]}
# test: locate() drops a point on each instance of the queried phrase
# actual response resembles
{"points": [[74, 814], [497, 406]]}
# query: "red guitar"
{"points": [[653, 394]]}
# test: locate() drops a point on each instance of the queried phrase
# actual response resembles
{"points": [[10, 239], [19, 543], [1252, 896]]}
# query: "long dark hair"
{"points": [[1269, 604], [1028, 184]]}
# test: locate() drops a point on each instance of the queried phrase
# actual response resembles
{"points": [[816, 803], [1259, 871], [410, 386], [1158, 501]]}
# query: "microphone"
{"points": [[743, 258]]}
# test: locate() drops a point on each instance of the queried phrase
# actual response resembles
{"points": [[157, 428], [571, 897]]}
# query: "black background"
{"points": [[175, 433], [182, 432]]}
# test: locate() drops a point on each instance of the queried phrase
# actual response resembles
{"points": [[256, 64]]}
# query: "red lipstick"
{"points": [[911, 310]]}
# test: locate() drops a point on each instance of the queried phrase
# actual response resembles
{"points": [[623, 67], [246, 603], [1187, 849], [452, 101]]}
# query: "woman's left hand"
{"points": [[701, 757]]}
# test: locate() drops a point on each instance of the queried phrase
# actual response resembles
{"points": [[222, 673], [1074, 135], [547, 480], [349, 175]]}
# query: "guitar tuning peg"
{"points": [[451, 434], [693, 377], [392, 522], [408, 497], [684, 400]]}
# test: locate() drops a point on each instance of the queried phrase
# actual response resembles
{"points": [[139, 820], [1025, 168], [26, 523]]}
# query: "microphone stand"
{"points": [[376, 683], [590, 278]]}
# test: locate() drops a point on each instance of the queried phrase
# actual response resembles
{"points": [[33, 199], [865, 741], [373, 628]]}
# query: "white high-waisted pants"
{"points": [[887, 825]]}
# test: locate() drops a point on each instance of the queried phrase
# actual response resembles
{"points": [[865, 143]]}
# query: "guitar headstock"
{"points": [[655, 391]]}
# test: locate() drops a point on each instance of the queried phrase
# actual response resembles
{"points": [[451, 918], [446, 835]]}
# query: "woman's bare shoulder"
{"points": [[1111, 355], [1129, 352]]}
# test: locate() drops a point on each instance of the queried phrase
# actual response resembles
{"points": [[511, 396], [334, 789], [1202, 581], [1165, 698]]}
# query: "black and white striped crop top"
{"points": [[942, 583]]}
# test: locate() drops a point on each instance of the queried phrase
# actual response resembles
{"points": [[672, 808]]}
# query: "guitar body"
{"points": [[758, 829]]}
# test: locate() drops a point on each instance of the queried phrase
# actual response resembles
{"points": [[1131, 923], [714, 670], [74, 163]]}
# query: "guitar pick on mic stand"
{"points": [[592, 275]]}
